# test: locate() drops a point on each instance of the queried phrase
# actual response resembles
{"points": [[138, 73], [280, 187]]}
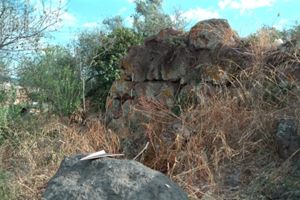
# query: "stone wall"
{"points": [[169, 66], [174, 68]]}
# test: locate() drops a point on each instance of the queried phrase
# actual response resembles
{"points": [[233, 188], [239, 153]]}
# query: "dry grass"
{"points": [[230, 131], [227, 133], [221, 133], [37, 157]]}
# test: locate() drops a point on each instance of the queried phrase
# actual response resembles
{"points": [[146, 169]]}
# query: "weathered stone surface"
{"points": [[162, 59], [110, 179], [163, 92], [122, 89], [287, 137], [143, 63], [124, 95], [169, 68], [212, 34]]}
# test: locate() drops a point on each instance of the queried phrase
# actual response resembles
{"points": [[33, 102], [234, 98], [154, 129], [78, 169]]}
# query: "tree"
{"points": [[113, 23], [86, 51], [22, 24], [3, 72], [292, 33], [53, 77], [149, 18], [100, 54]]}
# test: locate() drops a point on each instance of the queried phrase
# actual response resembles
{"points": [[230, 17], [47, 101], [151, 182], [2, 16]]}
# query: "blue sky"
{"points": [[244, 16]]}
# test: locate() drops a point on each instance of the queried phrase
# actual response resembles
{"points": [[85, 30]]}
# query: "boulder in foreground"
{"points": [[110, 179]]}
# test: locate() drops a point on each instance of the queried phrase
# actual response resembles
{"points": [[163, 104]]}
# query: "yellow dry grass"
{"points": [[232, 129], [37, 157]]}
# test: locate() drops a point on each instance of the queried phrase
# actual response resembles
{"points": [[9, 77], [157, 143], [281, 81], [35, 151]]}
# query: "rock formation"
{"points": [[110, 179], [287, 139], [170, 67], [174, 68]]}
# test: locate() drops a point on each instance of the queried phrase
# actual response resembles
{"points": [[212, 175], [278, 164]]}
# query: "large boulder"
{"points": [[110, 179], [212, 34], [288, 140], [161, 58]]}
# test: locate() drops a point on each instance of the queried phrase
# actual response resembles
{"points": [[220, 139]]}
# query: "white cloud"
{"points": [[122, 10], [68, 19], [90, 25], [244, 5], [199, 14], [55, 10], [47, 6], [131, 1]]}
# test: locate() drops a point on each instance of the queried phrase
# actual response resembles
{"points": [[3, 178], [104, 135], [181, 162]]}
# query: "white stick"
{"points": [[144, 149]]}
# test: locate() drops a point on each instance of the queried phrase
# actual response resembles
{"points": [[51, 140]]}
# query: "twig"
{"points": [[27, 187], [144, 149], [293, 154]]}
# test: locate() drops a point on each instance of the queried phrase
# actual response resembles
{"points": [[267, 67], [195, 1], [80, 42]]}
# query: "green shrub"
{"points": [[7, 98], [53, 78], [5, 192], [105, 68]]}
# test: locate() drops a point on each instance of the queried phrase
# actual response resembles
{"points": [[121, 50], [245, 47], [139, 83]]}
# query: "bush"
{"points": [[5, 193], [7, 98], [105, 68], [53, 78], [292, 33]]}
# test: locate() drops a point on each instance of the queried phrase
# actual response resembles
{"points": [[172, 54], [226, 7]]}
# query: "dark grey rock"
{"points": [[110, 179], [287, 137]]}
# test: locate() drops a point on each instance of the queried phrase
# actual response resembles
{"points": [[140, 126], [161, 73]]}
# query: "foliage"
{"points": [[10, 113], [7, 98], [100, 52], [102, 61], [53, 78], [3, 72], [4, 189], [292, 33], [149, 18], [87, 46], [113, 23], [22, 25]]}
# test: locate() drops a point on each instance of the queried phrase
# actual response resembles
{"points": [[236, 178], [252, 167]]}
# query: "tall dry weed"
{"points": [[40, 153], [230, 131]]}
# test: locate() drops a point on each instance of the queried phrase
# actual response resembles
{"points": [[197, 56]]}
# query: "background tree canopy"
{"points": [[91, 61], [22, 25]]}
